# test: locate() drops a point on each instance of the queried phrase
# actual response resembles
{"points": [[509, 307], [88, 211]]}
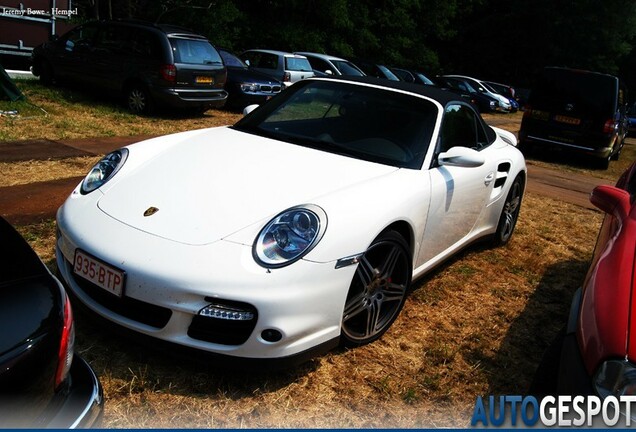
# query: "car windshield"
{"points": [[358, 121], [297, 64], [231, 60], [194, 51], [347, 68]]}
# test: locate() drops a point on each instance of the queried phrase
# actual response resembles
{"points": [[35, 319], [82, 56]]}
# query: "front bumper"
{"points": [[303, 302]]}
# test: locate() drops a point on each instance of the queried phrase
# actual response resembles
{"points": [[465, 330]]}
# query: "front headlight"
{"points": [[615, 378], [104, 170], [249, 87], [289, 236]]}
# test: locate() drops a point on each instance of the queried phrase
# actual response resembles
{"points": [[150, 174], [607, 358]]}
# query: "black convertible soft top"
{"points": [[444, 97]]}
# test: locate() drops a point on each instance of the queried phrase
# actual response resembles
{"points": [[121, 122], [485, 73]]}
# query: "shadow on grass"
{"points": [[533, 337]]}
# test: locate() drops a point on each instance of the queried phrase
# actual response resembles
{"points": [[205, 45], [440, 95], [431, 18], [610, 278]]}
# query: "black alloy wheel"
{"points": [[510, 213], [378, 290]]}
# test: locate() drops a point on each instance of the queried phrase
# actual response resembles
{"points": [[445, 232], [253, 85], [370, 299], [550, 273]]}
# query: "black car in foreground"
{"points": [[246, 86], [42, 383], [148, 65]]}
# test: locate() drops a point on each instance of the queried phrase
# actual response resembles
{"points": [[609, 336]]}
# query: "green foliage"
{"points": [[504, 40]]}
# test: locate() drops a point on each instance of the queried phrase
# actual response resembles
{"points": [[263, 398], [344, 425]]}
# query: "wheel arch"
{"points": [[404, 229]]}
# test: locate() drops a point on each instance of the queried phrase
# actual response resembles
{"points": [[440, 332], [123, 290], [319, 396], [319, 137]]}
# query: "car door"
{"points": [[70, 53], [109, 57], [459, 194]]}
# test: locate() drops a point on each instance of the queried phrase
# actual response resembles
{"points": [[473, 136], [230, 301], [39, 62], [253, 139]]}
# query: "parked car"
{"points": [[631, 118], [245, 86], [43, 384], [149, 65], [599, 349], [234, 241], [331, 65], [503, 104], [578, 111], [506, 91], [283, 66], [411, 76], [484, 102], [377, 70]]}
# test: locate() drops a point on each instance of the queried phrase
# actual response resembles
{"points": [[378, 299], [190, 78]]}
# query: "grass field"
{"points": [[479, 325]]}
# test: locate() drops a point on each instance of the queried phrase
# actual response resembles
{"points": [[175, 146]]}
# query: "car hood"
{"points": [[210, 185]]}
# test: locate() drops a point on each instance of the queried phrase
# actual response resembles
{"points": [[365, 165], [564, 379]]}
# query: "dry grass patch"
{"points": [[18, 173], [72, 113]]}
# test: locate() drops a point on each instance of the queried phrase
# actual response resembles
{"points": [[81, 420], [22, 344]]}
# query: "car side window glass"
{"points": [[268, 61], [81, 37], [459, 128], [113, 39], [144, 44]]}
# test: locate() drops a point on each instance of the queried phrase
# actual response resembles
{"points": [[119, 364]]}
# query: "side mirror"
{"points": [[611, 200], [247, 62], [328, 72], [461, 157], [248, 109]]}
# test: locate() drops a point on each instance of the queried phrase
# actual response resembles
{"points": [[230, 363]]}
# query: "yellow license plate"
{"points": [[204, 80]]}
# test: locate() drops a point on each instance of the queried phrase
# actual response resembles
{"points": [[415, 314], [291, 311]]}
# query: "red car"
{"points": [[599, 351]]}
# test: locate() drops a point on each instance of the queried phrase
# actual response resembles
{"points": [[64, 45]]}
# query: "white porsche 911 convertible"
{"points": [[299, 227]]}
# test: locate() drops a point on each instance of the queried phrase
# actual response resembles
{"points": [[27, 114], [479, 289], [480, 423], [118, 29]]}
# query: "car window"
{"points": [[145, 44], [82, 36], [366, 123], [347, 68], [231, 60], [113, 39], [266, 61], [583, 91], [319, 64], [194, 51], [297, 64], [460, 129]]}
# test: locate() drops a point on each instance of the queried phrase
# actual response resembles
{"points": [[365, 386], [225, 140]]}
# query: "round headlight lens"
{"points": [[289, 236], [104, 170]]}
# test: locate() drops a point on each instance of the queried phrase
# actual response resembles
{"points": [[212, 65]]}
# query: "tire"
{"points": [[46, 73], [378, 290], [138, 100], [603, 164], [509, 213]]}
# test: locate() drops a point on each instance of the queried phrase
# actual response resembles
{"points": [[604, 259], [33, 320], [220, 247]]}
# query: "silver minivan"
{"points": [[283, 66]]}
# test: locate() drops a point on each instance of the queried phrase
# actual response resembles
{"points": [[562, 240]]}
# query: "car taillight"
{"points": [[67, 345], [609, 126], [169, 72], [286, 77]]}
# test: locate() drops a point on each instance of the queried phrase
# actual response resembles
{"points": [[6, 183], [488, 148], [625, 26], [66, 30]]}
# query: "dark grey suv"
{"points": [[150, 65]]}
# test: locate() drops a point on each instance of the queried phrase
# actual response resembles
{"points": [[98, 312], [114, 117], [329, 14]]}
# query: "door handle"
{"points": [[489, 178]]}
